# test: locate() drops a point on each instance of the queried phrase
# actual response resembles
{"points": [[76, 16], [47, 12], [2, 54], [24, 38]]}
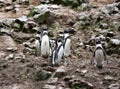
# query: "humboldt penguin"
{"points": [[99, 55], [45, 44], [38, 43], [67, 44], [58, 52]]}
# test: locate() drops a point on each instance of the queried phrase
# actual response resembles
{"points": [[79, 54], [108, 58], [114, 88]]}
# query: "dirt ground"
{"points": [[18, 73]]}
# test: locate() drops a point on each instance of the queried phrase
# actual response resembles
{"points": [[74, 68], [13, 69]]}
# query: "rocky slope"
{"points": [[21, 69]]}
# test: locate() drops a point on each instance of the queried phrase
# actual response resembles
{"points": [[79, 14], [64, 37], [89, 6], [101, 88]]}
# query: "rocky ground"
{"points": [[21, 69]]}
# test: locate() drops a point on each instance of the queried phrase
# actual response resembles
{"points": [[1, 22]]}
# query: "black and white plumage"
{"points": [[38, 43], [45, 44], [67, 44], [99, 55], [57, 53]]}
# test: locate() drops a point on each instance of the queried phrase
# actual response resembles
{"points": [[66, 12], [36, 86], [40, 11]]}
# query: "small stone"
{"points": [[114, 86], [20, 56], [104, 25], [42, 75], [16, 25], [110, 34], [108, 77], [9, 57], [84, 15], [4, 31], [52, 87], [84, 71], [16, 10], [115, 41], [61, 71], [2, 54], [13, 49], [52, 80], [80, 84], [8, 8], [23, 18]]}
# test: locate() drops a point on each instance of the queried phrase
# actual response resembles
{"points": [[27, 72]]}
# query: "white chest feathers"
{"points": [[45, 45], [37, 46], [99, 56], [67, 47]]}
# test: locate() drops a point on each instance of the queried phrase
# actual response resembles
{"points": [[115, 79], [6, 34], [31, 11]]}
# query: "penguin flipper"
{"points": [[92, 60], [104, 53]]}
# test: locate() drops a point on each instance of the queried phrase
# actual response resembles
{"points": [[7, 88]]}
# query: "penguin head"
{"points": [[37, 37], [45, 28], [45, 32], [97, 41], [66, 34], [59, 41], [38, 32], [61, 34]]}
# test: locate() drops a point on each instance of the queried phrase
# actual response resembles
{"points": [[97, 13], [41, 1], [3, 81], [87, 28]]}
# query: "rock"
{"points": [[29, 45], [8, 8], [2, 54], [84, 15], [21, 37], [84, 71], [114, 86], [71, 3], [19, 56], [33, 12], [23, 18], [26, 85], [8, 22], [113, 46], [20, 21], [9, 57], [68, 78], [12, 49], [80, 84], [7, 2], [52, 87], [28, 50], [103, 25], [16, 25], [25, 2], [52, 80], [7, 42], [4, 31], [118, 5], [28, 27], [41, 17], [40, 13], [61, 71], [108, 77], [84, 6], [54, 12], [110, 9], [42, 75], [110, 34], [115, 41]]}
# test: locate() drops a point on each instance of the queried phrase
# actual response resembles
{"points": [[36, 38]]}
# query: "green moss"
{"points": [[33, 12]]}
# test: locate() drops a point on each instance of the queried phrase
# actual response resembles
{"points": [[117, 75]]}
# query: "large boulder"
{"points": [[40, 13], [49, 13]]}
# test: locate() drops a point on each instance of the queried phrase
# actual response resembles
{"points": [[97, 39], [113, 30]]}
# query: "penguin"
{"points": [[58, 53], [67, 44], [45, 44], [99, 55], [38, 34], [37, 43]]}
